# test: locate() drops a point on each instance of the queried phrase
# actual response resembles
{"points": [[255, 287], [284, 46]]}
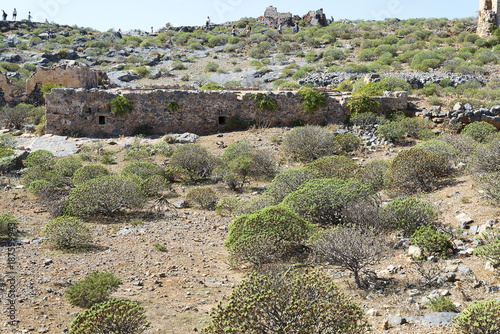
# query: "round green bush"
{"points": [[465, 145], [41, 187], [361, 103], [193, 158], [104, 196], [42, 159], [490, 247], [68, 166], [288, 181], [67, 232], [93, 289], [440, 148], [347, 142], [490, 183], [407, 214], [373, 173], [112, 316], [393, 131], [479, 131], [486, 158], [266, 236], [328, 201], [152, 186], [226, 204], [337, 166], [8, 225], [413, 125], [305, 302], [144, 170], [430, 241], [416, 170], [364, 119], [255, 204], [479, 318], [308, 143], [89, 172], [204, 197]]}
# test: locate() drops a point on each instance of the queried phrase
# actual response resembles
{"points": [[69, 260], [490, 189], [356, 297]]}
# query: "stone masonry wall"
{"points": [[68, 74], [89, 112], [489, 14], [5, 85]]}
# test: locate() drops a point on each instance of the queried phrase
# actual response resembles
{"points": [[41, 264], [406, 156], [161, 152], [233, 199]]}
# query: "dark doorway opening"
{"points": [[102, 120], [222, 120]]}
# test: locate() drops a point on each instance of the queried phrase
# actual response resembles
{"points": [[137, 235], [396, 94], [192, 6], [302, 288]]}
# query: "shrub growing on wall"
{"points": [[265, 102], [120, 105], [312, 100]]}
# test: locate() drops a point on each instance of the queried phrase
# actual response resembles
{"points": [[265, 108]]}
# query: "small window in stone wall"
{"points": [[102, 120], [222, 120]]}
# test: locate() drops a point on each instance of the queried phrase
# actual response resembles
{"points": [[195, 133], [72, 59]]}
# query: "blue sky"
{"points": [[126, 14]]}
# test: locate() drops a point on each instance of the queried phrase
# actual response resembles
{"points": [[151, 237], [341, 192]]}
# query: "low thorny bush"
{"points": [[67, 232]]}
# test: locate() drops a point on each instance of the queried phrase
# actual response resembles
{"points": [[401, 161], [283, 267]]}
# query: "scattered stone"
{"points": [[464, 218], [414, 251], [187, 138], [396, 320], [373, 312], [180, 204], [438, 318]]}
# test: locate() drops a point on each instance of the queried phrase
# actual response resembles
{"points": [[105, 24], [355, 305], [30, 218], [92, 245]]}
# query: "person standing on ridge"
{"points": [[249, 30], [14, 15], [280, 29], [29, 16], [234, 31], [4, 15], [208, 21]]}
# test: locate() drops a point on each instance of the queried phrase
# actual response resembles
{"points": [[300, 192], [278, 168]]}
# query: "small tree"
{"points": [[112, 316], [351, 247], [67, 232], [287, 303], [93, 289]]}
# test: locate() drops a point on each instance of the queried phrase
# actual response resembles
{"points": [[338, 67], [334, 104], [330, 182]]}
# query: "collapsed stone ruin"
{"points": [[272, 18], [489, 16]]}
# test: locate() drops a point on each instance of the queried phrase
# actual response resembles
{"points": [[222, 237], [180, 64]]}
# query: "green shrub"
{"points": [[121, 105], [347, 142], [479, 131], [486, 158], [364, 119], [407, 215], [490, 248], [93, 289], [254, 304], [88, 172], [211, 86], [413, 125], [142, 71], [254, 205], [68, 166], [312, 100], [288, 181], [48, 87], [40, 187], [441, 304], [67, 232], [425, 134], [333, 167], [226, 204], [490, 183], [359, 104], [465, 145], [330, 201], [211, 67], [416, 170], [144, 170], [440, 148], [42, 159], [373, 173], [309, 143], [152, 186], [104, 196], [430, 241], [137, 155], [173, 106], [265, 102], [479, 318], [393, 131], [266, 236], [8, 225], [195, 159], [19, 115], [205, 198]]}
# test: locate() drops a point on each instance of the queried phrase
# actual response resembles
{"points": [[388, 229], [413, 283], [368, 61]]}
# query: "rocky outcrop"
{"points": [[68, 74], [272, 18], [315, 18]]}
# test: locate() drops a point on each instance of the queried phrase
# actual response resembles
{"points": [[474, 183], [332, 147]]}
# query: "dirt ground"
{"points": [[179, 286]]}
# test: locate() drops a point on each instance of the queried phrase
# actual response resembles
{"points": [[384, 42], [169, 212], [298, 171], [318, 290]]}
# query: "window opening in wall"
{"points": [[102, 120], [222, 120]]}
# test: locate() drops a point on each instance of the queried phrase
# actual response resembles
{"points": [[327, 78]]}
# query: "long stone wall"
{"points": [[89, 111]]}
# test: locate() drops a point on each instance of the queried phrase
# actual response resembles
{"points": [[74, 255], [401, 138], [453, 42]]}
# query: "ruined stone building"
{"points": [[272, 18], [68, 74], [489, 14], [88, 111]]}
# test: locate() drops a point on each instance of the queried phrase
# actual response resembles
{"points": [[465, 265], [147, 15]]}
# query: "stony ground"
{"points": [[178, 287]]}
